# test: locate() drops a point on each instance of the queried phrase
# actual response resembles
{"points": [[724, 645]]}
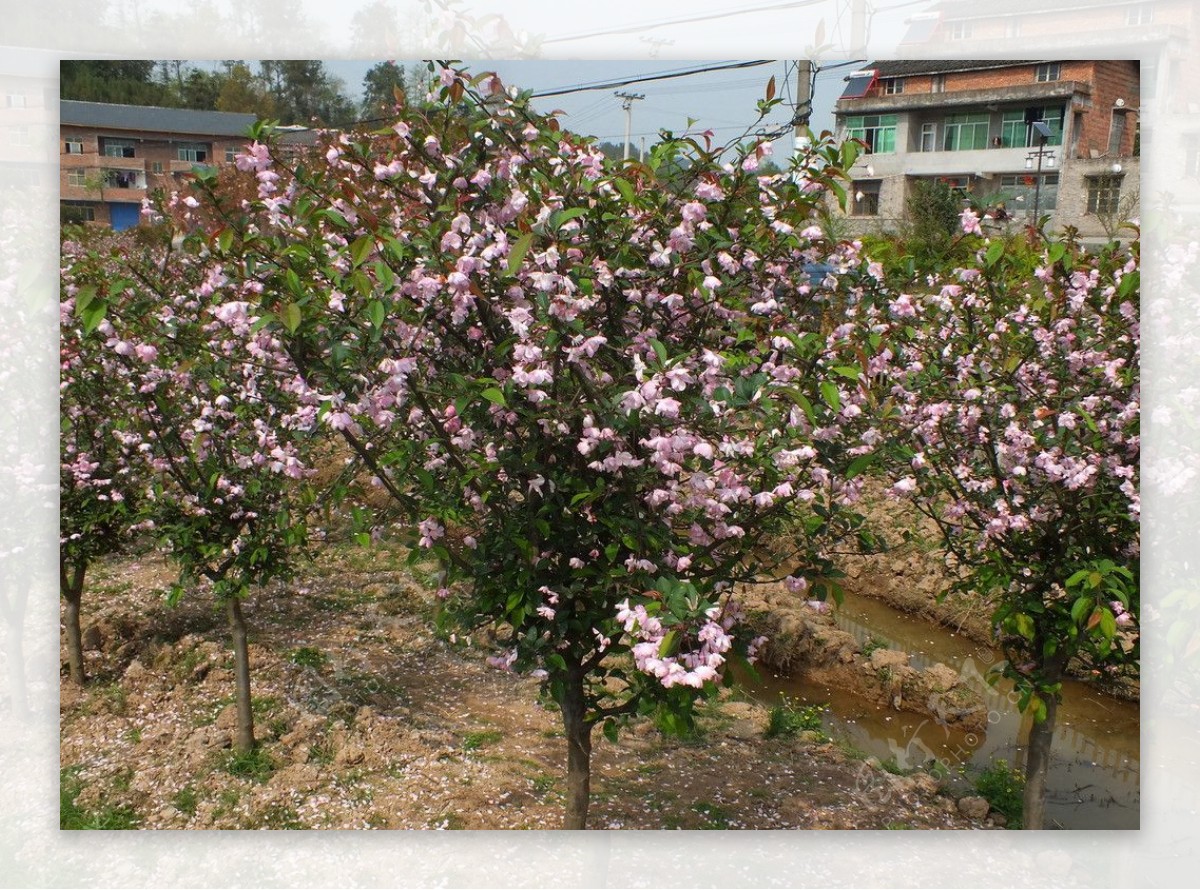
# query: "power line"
{"points": [[647, 78]]}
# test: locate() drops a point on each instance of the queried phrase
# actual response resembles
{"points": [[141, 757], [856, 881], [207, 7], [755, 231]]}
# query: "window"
{"points": [[892, 86], [1048, 72], [964, 132], [1142, 14], [878, 131], [928, 137], [76, 178], [156, 167], [960, 30], [1021, 191], [15, 100], [866, 198], [117, 148], [937, 83], [196, 152], [230, 154], [1104, 193], [1014, 27], [1116, 133], [73, 146], [75, 212], [1016, 127], [18, 135]]}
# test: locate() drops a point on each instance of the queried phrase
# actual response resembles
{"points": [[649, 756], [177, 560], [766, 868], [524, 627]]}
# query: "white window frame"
{"points": [[191, 151], [928, 132], [960, 30], [1048, 72], [73, 146], [77, 177]]}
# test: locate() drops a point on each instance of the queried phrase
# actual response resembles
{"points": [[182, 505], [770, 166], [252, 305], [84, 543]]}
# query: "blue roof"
{"points": [[153, 118]]}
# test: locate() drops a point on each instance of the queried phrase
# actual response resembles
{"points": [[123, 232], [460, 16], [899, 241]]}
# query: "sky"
{"points": [[723, 101]]}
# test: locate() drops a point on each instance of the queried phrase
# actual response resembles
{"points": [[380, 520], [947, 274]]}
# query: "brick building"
{"points": [[113, 156], [984, 127]]}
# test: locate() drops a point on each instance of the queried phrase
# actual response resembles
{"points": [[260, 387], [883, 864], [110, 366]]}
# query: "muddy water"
{"points": [[1093, 780]]}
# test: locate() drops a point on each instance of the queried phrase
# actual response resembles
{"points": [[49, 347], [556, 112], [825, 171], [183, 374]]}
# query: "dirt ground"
{"points": [[367, 718]]}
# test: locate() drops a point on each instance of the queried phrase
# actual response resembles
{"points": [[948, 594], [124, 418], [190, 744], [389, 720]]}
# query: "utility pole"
{"points": [[627, 100], [642, 153], [803, 111]]}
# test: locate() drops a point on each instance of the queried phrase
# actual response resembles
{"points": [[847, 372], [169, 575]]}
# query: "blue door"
{"points": [[124, 216]]}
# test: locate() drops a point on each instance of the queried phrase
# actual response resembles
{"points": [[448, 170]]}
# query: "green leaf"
{"points": [[293, 283], [225, 240], [859, 464], [669, 645], [291, 317], [84, 297], [625, 188], [829, 392], [1056, 251], [376, 313], [1081, 608], [1077, 577], [93, 315], [1024, 625], [495, 396], [517, 255], [610, 730], [659, 350], [361, 249], [560, 217], [1108, 623], [850, 372], [994, 252]]}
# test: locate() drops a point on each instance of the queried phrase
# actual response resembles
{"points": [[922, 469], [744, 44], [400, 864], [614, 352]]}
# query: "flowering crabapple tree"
{"points": [[595, 392], [1014, 391], [101, 476], [224, 466]]}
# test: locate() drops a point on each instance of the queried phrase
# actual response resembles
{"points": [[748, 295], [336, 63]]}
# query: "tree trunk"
{"points": [[72, 591], [579, 751], [1037, 763], [243, 740]]}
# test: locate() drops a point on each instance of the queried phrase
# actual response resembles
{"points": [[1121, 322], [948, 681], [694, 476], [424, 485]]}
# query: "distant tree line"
{"points": [[290, 91]]}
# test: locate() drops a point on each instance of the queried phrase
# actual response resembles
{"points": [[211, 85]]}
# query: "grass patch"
{"points": [[186, 800], [278, 817], [473, 741], [716, 818], [308, 656], [787, 720], [255, 764], [873, 644], [1004, 788], [891, 765], [72, 817], [448, 822]]}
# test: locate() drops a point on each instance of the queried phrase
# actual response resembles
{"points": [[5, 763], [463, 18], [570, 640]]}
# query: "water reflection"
{"points": [[1094, 771]]}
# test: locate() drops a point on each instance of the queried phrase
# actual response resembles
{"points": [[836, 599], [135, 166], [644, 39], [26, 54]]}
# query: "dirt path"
{"points": [[369, 720]]}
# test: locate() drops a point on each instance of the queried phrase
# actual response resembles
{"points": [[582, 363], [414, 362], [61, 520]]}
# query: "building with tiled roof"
{"points": [[113, 156], [1041, 137]]}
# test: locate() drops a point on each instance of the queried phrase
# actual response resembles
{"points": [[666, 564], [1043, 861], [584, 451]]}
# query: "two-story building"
{"points": [[1040, 137], [113, 156]]}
